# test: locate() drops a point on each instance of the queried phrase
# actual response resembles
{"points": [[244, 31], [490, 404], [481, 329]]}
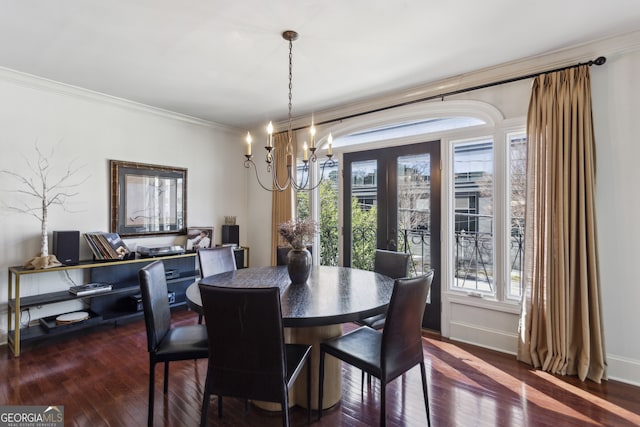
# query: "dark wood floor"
{"points": [[101, 379]]}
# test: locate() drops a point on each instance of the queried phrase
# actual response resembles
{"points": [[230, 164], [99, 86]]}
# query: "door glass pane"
{"points": [[473, 191], [364, 213], [517, 180], [414, 210], [328, 197]]}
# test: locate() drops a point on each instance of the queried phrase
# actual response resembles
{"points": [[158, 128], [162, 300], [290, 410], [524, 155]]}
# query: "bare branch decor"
{"points": [[48, 190]]}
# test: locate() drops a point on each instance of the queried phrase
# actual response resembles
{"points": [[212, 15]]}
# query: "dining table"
{"points": [[312, 312]]}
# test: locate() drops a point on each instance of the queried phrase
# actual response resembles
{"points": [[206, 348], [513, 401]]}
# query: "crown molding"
{"points": [[40, 83]]}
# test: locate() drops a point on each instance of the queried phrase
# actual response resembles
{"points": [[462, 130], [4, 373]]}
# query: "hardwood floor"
{"points": [[101, 379]]}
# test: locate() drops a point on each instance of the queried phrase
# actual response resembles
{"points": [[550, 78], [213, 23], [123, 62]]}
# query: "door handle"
{"points": [[392, 245]]}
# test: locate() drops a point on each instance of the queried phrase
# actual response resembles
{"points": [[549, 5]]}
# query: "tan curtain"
{"points": [[561, 327], [282, 201]]}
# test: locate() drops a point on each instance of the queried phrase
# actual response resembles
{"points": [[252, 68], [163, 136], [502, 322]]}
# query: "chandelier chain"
{"points": [[289, 131]]}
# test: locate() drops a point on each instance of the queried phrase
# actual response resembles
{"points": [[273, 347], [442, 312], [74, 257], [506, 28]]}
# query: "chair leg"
{"points": [[383, 403], [166, 377], [321, 383], [285, 406], [424, 389], [309, 390], [199, 319], [206, 400], [362, 383], [152, 368]]}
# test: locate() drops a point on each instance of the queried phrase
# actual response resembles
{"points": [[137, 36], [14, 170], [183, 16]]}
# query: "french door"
{"points": [[392, 201]]}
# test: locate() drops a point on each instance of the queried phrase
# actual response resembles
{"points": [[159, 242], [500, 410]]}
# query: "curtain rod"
{"points": [[598, 61]]}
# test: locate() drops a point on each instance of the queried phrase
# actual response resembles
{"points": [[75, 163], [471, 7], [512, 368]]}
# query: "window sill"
{"points": [[486, 302]]}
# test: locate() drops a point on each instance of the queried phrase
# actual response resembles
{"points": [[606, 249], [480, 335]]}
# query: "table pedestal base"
{"points": [[332, 370]]}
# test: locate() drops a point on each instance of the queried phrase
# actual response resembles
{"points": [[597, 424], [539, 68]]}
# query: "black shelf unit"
{"points": [[104, 307]]}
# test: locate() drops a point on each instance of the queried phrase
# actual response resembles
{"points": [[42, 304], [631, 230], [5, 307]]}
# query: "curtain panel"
{"points": [[561, 328], [282, 201]]}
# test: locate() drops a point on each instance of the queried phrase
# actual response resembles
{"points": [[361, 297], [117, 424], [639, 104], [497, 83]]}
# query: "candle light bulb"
{"points": [[249, 144], [330, 148], [312, 131], [305, 155], [270, 135]]}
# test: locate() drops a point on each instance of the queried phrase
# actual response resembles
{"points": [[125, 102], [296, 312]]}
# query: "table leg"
{"points": [[332, 367]]}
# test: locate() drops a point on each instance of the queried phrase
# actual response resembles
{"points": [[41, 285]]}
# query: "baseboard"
{"points": [[492, 339], [623, 369]]}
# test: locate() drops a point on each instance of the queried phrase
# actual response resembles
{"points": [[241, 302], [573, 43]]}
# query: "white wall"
{"points": [[616, 107], [91, 129]]}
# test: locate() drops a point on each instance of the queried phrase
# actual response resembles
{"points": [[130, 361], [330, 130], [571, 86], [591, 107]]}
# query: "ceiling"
{"points": [[226, 62]]}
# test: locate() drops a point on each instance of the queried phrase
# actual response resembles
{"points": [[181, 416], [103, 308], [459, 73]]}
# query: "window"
{"points": [[473, 216], [517, 188], [482, 206]]}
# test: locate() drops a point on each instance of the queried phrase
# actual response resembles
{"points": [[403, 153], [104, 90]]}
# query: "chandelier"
{"points": [[309, 151]]}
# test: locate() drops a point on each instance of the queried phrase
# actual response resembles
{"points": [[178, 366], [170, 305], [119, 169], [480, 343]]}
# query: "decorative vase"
{"points": [[299, 265]]}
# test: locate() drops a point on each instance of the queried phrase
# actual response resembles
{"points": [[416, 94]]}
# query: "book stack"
{"points": [[107, 246]]}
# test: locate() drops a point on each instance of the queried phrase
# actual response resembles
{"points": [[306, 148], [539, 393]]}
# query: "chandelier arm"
{"points": [[274, 172], [247, 164], [329, 162], [303, 182]]}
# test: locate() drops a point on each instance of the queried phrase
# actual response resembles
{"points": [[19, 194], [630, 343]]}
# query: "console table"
{"points": [[110, 306]]}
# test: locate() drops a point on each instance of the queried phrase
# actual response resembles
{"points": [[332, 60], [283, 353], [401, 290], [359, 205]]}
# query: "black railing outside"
{"points": [[473, 256]]}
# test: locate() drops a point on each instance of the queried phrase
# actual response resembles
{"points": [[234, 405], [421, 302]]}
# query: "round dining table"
{"points": [[312, 312]]}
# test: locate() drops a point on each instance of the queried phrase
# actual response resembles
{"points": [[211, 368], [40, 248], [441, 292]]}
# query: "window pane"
{"points": [[328, 221], [473, 192], [414, 210], [517, 181], [364, 213], [329, 215]]}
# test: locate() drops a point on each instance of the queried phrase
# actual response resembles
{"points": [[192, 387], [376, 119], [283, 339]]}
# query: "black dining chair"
{"points": [[215, 260], [165, 344], [388, 354], [391, 264], [247, 355]]}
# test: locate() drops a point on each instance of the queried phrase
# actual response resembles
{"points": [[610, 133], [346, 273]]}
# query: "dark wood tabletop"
{"points": [[332, 295]]}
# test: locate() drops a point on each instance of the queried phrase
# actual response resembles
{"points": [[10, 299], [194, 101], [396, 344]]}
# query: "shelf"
{"points": [[50, 325], [95, 264], [53, 297], [105, 307]]}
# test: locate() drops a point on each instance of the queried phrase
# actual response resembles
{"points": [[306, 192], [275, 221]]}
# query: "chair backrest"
{"points": [[155, 303], [246, 342], [281, 255], [392, 264], [402, 333], [216, 260]]}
